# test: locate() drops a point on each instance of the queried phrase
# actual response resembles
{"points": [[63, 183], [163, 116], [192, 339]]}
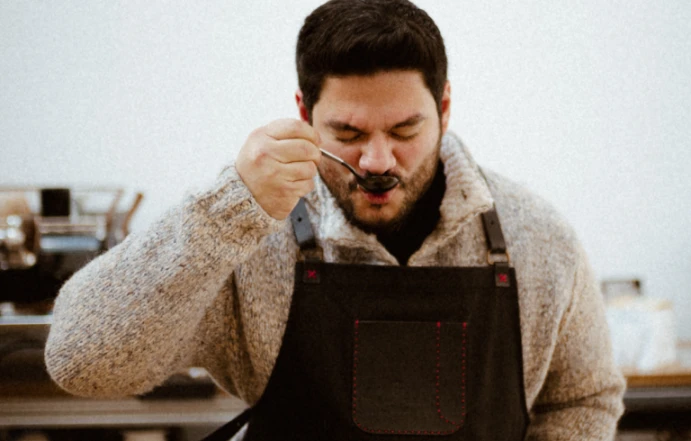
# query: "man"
{"points": [[454, 304]]}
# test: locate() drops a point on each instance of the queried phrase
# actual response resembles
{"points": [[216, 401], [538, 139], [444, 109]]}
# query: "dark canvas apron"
{"points": [[386, 353]]}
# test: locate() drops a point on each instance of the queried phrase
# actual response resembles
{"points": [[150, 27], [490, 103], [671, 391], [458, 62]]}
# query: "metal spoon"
{"points": [[373, 184]]}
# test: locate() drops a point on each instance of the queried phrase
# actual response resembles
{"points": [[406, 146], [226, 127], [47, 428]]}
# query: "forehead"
{"points": [[384, 97]]}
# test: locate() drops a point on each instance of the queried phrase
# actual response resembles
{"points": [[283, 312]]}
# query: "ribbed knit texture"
{"points": [[210, 285]]}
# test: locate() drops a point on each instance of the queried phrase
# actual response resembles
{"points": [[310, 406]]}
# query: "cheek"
{"points": [[326, 168], [332, 172], [410, 157]]}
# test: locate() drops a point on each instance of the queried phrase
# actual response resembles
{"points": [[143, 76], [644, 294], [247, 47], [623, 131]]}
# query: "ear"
{"points": [[445, 107], [304, 114]]}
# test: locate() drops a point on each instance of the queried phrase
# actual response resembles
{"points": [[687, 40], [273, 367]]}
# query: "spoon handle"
{"points": [[340, 161], [332, 156]]}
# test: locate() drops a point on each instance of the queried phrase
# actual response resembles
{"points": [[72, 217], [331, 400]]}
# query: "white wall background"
{"points": [[587, 102]]}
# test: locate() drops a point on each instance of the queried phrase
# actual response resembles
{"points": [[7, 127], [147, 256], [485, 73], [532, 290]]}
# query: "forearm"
{"points": [[581, 398], [592, 418], [126, 321]]}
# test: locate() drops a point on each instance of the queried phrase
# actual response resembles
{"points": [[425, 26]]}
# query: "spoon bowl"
{"points": [[373, 184]]}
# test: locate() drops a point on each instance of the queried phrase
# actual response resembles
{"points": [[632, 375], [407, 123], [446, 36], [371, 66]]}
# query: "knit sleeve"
{"points": [[581, 399], [126, 321]]}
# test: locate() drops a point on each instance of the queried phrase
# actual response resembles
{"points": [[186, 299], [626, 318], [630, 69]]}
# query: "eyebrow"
{"points": [[413, 120], [342, 127]]}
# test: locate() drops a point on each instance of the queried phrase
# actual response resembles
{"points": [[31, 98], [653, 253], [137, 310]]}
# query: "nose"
{"points": [[377, 156]]}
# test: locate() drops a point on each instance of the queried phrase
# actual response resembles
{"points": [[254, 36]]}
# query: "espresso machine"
{"points": [[47, 234]]}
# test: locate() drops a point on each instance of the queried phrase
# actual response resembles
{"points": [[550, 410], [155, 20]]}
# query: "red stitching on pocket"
{"points": [[438, 399], [413, 432], [355, 355]]}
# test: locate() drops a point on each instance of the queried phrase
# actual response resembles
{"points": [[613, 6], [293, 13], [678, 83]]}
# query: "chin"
{"points": [[369, 217], [377, 219], [376, 212]]}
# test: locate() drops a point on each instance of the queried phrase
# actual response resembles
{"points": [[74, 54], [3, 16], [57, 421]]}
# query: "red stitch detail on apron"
{"points": [[410, 432], [463, 358], [438, 398], [355, 357]]}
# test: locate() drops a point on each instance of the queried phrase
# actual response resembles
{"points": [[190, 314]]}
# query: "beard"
{"points": [[413, 188]]}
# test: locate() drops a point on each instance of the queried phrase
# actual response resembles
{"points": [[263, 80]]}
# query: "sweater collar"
{"points": [[467, 195]]}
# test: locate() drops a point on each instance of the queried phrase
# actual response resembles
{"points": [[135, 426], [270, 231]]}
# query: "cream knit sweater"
{"points": [[210, 285]]}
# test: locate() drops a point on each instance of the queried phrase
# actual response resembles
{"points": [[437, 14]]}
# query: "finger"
{"points": [[290, 129], [299, 171], [302, 187], [295, 150]]}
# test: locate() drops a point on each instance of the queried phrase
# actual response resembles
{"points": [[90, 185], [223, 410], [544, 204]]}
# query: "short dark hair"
{"points": [[364, 37]]}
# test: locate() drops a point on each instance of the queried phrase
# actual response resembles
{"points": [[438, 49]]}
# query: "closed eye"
{"points": [[403, 137], [349, 139]]}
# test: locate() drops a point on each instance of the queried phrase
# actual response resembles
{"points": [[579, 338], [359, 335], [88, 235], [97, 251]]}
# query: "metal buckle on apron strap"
{"points": [[493, 258], [315, 254]]}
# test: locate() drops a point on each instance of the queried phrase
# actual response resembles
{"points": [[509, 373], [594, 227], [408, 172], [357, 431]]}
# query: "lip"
{"points": [[377, 198]]}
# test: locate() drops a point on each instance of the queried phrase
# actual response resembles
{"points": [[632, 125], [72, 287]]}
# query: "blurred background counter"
{"points": [[658, 404], [187, 406]]}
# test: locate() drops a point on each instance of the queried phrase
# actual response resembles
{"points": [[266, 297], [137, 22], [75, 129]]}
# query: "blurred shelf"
{"points": [[658, 399], [26, 320], [680, 378], [33, 327], [75, 412]]}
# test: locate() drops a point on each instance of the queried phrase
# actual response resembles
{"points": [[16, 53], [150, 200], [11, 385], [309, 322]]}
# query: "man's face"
{"points": [[386, 123]]}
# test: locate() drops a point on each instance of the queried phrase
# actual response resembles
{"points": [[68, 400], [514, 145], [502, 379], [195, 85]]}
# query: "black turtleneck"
{"points": [[421, 221]]}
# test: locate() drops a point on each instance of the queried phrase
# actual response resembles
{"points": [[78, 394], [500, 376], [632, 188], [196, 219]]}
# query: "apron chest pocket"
{"points": [[409, 377]]}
